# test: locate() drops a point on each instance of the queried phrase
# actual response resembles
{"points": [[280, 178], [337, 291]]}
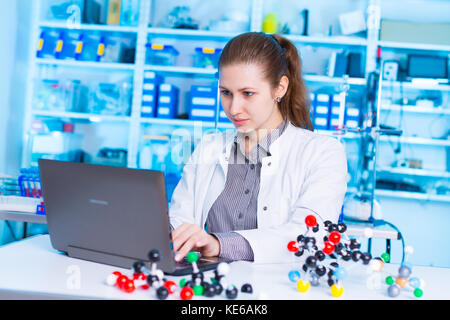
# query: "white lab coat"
{"points": [[305, 174]]}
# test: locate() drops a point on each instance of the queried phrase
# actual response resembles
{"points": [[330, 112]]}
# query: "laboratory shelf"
{"points": [[334, 40], [414, 46], [412, 195], [186, 123], [415, 109], [339, 134], [326, 79], [191, 33], [81, 116], [417, 141], [86, 64], [416, 172], [88, 27], [417, 85], [181, 69]]}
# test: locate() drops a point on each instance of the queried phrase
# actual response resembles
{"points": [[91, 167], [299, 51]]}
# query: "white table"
{"points": [[31, 269]]}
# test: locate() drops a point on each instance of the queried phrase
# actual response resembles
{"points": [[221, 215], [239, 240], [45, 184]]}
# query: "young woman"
{"points": [[245, 195]]}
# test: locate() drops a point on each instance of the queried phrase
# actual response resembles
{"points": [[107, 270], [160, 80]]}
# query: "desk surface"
{"points": [[23, 216], [31, 268]]}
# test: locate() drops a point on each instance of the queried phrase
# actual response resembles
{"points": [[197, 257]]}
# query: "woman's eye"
{"points": [[248, 93], [225, 92]]}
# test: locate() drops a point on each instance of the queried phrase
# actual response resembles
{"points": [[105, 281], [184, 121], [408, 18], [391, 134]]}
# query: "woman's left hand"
{"points": [[188, 237]]}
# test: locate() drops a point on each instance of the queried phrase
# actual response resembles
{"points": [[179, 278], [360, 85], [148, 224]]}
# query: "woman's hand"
{"points": [[188, 237]]}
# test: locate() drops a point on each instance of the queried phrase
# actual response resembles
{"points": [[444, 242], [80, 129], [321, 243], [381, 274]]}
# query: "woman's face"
{"points": [[248, 99]]}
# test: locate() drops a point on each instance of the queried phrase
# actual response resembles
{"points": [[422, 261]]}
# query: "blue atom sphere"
{"points": [[294, 275], [340, 273]]}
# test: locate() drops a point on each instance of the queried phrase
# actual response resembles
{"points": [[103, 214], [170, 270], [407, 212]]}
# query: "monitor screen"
{"points": [[420, 66]]}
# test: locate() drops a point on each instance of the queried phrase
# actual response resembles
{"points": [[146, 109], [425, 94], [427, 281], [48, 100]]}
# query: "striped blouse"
{"points": [[236, 207]]}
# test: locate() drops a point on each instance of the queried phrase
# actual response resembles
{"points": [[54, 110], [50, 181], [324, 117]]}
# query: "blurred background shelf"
{"points": [[88, 27], [416, 172], [412, 195], [86, 64]]}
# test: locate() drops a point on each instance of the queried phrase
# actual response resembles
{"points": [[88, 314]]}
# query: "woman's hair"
{"points": [[278, 56]]}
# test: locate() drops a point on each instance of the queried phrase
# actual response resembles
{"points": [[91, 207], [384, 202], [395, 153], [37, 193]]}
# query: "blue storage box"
{"points": [[47, 44], [160, 54], [152, 80], [203, 103], [352, 115], [167, 101], [335, 107], [206, 57], [65, 46], [321, 111], [86, 47]]}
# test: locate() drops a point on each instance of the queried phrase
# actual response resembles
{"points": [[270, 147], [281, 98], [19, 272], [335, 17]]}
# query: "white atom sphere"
{"points": [[111, 279], [223, 268]]}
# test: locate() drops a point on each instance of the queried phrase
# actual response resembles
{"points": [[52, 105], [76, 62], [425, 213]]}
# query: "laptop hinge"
{"points": [[100, 257]]}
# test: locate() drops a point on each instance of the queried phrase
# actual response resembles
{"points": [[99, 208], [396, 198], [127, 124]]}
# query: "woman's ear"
{"points": [[281, 90]]}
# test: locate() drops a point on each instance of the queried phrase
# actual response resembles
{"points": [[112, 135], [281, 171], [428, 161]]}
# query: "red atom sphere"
{"points": [[186, 293], [334, 237], [310, 221], [121, 280], [129, 286], [170, 286], [328, 248], [292, 246]]}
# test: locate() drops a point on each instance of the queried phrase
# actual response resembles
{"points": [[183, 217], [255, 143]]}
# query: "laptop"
{"points": [[110, 215]]}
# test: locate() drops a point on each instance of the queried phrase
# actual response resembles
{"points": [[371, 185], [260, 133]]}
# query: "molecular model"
{"points": [[199, 286], [143, 278], [315, 267], [403, 279], [153, 279]]}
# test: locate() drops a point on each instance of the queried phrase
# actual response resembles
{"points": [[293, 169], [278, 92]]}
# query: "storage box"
{"points": [[55, 145], [86, 47], [129, 13], [206, 57], [321, 111], [203, 103], [167, 101], [47, 44], [65, 45], [160, 54], [335, 108], [150, 87], [352, 114], [110, 98]]}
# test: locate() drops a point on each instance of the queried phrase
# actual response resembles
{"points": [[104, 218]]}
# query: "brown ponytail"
{"points": [[279, 57]]}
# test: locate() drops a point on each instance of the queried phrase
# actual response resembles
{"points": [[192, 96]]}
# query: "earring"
{"points": [[278, 99]]}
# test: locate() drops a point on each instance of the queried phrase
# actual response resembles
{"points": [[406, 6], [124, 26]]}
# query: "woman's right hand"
{"points": [[189, 237]]}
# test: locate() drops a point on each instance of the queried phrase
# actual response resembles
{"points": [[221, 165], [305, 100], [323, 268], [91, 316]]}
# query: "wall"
{"points": [[13, 70]]}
